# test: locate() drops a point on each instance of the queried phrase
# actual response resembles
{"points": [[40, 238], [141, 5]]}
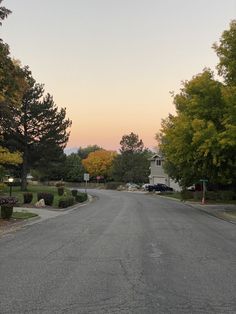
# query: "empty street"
{"points": [[121, 253]]}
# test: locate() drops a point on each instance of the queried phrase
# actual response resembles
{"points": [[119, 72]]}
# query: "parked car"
{"points": [[159, 187], [191, 188], [145, 186]]}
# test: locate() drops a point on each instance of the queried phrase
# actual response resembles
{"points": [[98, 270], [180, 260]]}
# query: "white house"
{"points": [[158, 175]]}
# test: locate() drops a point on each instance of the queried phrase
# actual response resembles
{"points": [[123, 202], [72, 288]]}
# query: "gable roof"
{"points": [[156, 156]]}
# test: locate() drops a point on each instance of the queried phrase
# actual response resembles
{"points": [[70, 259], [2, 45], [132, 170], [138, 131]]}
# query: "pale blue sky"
{"points": [[112, 63]]}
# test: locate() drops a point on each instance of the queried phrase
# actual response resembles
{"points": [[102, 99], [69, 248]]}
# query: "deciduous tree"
{"points": [[226, 51], [4, 12], [99, 163], [200, 141]]}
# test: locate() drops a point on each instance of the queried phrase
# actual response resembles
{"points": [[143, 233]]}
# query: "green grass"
{"points": [[177, 195], [231, 215], [23, 215], [173, 195], [34, 189]]}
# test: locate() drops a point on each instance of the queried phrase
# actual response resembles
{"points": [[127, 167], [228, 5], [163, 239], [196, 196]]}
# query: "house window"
{"points": [[158, 162]]}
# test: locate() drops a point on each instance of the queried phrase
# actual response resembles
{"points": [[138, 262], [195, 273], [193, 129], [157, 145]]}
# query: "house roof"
{"points": [[156, 156]]}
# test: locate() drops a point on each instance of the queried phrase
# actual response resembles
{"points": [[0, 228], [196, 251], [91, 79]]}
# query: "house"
{"points": [[158, 175]]}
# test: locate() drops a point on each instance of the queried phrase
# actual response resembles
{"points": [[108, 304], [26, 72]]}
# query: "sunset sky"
{"points": [[112, 63]]}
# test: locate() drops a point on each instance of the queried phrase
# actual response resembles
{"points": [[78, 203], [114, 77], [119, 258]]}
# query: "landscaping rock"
{"points": [[40, 203]]}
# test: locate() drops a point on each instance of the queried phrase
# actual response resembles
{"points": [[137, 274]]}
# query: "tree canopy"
{"points": [[99, 163], [37, 128], [12, 85], [131, 144], [4, 12], [226, 51], [132, 164], [73, 168], [84, 152], [200, 141]]}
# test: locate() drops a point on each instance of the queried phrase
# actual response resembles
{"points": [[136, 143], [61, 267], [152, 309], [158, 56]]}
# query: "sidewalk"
{"points": [[48, 213]]}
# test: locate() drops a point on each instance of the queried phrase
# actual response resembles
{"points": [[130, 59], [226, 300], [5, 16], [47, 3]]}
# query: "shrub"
{"points": [[2, 186], [185, 195], [113, 185], [227, 195], [65, 201], [212, 195], [197, 195], [60, 190], [5, 200], [48, 197], [74, 192], [28, 196], [81, 197], [6, 211]]}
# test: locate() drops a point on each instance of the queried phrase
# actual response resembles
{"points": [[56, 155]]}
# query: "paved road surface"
{"points": [[123, 253]]}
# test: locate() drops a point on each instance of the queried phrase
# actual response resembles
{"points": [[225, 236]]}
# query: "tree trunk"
{"points": [[24, 170]]}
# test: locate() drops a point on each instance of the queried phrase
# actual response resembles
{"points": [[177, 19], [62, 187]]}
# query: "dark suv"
{"points": [[159, 187]]}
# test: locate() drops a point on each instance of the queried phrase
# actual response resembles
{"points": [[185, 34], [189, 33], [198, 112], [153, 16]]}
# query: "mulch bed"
{"points": [[8, 222]]}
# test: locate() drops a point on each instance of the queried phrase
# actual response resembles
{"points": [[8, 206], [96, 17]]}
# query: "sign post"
{"points": [[203, 190], [86, 179]]}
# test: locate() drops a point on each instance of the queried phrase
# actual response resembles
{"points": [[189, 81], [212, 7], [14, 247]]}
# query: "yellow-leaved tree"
{"points": [[99, 163], [7, 157]]}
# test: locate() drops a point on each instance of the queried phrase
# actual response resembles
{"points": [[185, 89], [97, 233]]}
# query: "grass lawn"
{"points": [[34, 189], [177, 195], [23, 215], [173, 195]]}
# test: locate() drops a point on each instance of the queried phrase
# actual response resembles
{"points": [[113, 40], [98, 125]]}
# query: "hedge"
{"points": [[48, 197], [66, 201]]}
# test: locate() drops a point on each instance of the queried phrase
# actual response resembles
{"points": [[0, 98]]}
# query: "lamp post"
{"points": [[10, 180]]}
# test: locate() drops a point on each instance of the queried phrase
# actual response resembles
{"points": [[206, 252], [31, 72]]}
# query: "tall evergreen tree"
{"points": [[132, 164], [37, 128]]}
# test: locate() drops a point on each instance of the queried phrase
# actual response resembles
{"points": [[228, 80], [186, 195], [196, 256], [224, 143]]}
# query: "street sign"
{"points": [[86, 176]]}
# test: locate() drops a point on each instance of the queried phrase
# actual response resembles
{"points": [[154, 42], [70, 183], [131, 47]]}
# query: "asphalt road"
{"points": [[122, 253]]}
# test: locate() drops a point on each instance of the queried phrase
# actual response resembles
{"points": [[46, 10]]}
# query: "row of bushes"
{"points": [[64, 201], [210, 195], [113, 185], [69, 200], [48, 197], [7, 203]]}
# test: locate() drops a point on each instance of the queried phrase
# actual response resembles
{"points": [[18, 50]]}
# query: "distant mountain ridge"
{"points": [[70, 150]]}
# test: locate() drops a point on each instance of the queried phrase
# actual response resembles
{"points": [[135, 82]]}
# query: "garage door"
{"points": [[159, 180]]}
